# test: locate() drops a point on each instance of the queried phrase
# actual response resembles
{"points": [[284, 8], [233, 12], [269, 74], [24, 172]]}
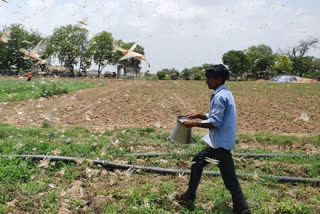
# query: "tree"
{"points": [[186, 73], [237, 61], [316, 64], [206, 65], [196, 73], [85, 59], [172, 73], [202, 74], [161, 75], [11, 59], [297, 54], [301, 65], [67, 43], [196, 76], [283, 64], [303, 47], [261, 58], [315, 68], [101, 47]]}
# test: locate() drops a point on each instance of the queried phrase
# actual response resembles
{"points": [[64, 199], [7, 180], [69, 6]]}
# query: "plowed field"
{"points": [[261, 106]]}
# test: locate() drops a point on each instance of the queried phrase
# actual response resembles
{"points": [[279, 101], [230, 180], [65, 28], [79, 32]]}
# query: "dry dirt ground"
{"points": [[261, 106]]}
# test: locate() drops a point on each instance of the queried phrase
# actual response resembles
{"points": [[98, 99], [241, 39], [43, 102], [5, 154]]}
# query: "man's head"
{"points": [[216, 75]]}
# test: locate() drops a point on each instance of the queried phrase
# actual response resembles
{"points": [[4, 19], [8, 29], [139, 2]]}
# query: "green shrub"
{"points": [[196, 77], [161, 75]]}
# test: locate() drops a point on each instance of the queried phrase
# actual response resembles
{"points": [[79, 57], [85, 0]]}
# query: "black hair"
{"points": [[218, 71]]}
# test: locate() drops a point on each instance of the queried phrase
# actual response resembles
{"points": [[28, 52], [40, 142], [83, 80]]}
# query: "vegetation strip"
{"points": [[108, 164], [13, 90], [235, 154]]}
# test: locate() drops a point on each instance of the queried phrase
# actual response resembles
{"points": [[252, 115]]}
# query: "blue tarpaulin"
{"points": [[285, 78]]}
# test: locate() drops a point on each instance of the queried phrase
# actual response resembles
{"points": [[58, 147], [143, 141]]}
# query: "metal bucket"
{"points": [[180, 133]]}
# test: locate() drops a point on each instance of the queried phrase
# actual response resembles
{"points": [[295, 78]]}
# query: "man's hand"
{"points": [[191, 115], [195, 116], [188, 123]]}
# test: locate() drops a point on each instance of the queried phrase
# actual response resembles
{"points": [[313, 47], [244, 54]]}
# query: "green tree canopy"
{"points": [[195, 73], [11, 59], [237, 61], [85, 58], [101, 48], [186, 74], [161, 75], [261, 58], [172, 73], [316, 64], [67, 43], [206, 65], [315, 71], [283, 64], [301, 65]]}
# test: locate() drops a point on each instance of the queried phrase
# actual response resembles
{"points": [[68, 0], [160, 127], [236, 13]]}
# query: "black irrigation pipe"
{"points": [[111, 165], [250, 155]]}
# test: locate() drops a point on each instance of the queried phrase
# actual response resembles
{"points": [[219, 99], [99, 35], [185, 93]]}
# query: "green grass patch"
{"points": [[12, 90], [278, 139], [36, 189], [14, 170]]}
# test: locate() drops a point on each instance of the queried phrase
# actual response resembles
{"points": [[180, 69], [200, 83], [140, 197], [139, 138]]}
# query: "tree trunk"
{"points": [[99, 71], [42, 67], [80, 67]]}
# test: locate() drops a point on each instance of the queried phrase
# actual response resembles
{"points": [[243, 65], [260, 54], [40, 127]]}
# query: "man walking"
{"points": [[221, 122]]}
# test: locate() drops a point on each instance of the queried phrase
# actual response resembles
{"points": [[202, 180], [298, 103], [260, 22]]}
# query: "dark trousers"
{"points": [[228, 174]]}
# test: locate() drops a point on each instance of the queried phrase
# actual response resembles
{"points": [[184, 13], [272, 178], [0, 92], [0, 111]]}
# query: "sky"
{"points": [[177, 33]]}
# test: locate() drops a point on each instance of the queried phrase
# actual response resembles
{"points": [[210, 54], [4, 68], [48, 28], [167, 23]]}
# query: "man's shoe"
{"points": [[241, 207], [183, 201]]}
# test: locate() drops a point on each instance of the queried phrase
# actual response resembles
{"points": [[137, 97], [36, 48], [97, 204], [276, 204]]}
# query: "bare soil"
{"points": [[261, 106]]}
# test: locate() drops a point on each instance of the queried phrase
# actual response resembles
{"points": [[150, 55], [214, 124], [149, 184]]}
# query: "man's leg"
{"points": [[198, 163], [230, 180]]}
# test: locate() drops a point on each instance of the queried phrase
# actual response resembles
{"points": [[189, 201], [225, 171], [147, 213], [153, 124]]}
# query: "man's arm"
{"points": [[190, 124]]}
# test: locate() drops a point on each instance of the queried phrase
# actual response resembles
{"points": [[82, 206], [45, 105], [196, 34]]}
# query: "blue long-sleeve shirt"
{"points": [[222, 114]]}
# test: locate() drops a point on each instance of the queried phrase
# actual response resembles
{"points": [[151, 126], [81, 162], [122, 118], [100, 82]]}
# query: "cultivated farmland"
{"points": [[261, 106], [130, 116]]}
